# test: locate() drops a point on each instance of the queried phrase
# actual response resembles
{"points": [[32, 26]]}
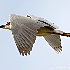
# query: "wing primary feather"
{"points": [[25, 46], [29, 34], [31, 37], [20, 47], [24, 42], [54, 41], [27, 39], [18, 44]]}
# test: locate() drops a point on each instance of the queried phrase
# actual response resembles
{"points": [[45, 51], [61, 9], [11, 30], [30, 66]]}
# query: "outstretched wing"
{"points": [[24, 32], [54, 41], [44, 21]]}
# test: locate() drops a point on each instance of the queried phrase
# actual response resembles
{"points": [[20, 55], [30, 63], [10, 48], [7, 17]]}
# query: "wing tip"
{"points": [[58, 49], [23, 52]]}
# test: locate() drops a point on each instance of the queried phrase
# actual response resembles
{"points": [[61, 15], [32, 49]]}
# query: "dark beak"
{"points": [[2, 26]]}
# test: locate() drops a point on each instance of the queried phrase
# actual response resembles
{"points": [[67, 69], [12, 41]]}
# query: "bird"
{"points": [[25, 29]]}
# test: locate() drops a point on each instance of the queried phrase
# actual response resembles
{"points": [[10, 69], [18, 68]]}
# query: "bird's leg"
{"points": [[66, 34]]}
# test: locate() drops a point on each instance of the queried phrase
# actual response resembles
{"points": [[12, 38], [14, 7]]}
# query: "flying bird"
{"points": [[26, 28]]}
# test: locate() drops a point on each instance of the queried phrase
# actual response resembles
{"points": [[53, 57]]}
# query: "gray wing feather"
{"points": [[43, 21], [54, 41], [24, 32]]}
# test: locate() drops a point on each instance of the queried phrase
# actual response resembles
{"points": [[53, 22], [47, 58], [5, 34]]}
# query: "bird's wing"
{"points": [[52, 25], [24, 32], [54, 41]]}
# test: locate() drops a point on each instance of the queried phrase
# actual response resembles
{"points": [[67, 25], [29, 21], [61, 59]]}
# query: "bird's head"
{"points": [[7, 26]]}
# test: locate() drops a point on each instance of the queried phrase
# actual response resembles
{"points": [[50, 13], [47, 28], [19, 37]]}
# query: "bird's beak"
{"points": [[2, 26]]}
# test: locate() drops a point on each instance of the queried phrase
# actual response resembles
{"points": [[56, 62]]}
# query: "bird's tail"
{"points": [[58, 32]]}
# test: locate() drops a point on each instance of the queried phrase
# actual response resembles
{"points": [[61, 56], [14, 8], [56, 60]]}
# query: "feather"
{"points": [[54, 41]]}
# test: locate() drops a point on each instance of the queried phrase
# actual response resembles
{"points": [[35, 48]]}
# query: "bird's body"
{"points": [[25, 30], [44, 31]]}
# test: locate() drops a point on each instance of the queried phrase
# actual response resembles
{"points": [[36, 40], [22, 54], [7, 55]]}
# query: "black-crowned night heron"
{"points": [[25, 30]]}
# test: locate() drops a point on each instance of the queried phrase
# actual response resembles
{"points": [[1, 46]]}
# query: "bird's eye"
{"points": [[8, 23]]}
